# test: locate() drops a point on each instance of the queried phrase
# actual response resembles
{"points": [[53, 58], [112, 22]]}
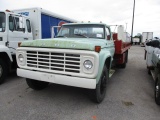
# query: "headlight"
{"points": [[21, 58], [88, 64]]}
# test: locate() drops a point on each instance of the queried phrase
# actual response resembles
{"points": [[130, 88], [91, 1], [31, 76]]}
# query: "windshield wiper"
{"points": [[61, 36], [81, 35]]}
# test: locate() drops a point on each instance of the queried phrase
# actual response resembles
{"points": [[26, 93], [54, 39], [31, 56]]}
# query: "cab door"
{"points": [[109, 40], [17, 31], [29, 30]]}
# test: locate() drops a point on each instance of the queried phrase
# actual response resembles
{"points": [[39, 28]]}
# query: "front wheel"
{"points": [[3, 71], [157, 92], [36, 85], [98, 94]]}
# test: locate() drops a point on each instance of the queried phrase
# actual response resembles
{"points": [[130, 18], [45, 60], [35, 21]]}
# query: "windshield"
{"points": [[82, 31], [2, 21]]}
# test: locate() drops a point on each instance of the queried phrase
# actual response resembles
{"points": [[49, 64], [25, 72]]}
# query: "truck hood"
{"points": [[66, 43]]}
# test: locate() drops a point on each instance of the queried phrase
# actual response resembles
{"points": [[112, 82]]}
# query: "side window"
{"points": [[28, 26], [16, 24], [19, 26], [11, 23], [108, 34], [64, 32]]}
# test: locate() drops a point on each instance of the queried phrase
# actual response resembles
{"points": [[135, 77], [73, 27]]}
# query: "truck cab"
{"points": [[14, 28], [81, 55]]}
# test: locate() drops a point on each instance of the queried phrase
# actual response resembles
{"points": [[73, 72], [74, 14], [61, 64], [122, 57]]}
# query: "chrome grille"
{"points": [[54, 61]]}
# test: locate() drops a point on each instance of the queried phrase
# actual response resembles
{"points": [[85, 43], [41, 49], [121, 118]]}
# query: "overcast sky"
{"points": [[111, 12]]}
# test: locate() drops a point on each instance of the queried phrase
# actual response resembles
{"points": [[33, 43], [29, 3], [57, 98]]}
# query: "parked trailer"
{"points": [[136, 40], [20, 25], [146, 36], [80, 56], [42, 21]]}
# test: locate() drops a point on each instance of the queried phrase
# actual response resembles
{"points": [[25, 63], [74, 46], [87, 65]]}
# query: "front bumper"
{"points": [[57, 78]]}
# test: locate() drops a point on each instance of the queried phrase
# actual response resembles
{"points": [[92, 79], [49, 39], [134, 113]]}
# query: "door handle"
{"points": [[25, 38]]}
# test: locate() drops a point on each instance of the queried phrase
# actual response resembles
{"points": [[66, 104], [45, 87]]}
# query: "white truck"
{"points": [[146, 36], [20, 25], [152, 56], [81, 55], [136, 40]]}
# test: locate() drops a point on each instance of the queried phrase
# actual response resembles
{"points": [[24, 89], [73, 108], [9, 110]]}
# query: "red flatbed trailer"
{"points": [[121, 51]]}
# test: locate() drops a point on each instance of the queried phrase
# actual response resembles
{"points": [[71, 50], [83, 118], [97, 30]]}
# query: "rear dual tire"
{"points": [[125, 61]]}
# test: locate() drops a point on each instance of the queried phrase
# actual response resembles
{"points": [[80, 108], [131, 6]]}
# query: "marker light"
{"points": [[8, 10], [19, 44], [97, 49]]}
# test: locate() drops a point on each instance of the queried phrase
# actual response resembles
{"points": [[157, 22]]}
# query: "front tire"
{"points": [[149, 72], [36, 85], [97, 95], [157, 92], [3, 71]]}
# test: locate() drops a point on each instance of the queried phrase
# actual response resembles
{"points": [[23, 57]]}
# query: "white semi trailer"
{"points": [[136, 41], [146, 36]]}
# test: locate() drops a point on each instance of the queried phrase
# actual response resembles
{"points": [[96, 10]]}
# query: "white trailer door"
{"points": [[144, 37], [150, 35]]}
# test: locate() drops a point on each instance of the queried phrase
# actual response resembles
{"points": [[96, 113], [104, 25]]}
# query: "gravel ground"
{"points": [[130, 96]]}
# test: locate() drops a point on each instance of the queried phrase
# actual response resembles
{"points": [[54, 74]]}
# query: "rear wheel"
{"points": [[157, 92], [125, 60], [126, 57], [98, 94], [124, 64], [36, 85], [3, 71]]}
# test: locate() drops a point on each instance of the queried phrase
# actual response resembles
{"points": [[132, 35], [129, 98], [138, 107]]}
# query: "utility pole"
{"points": [[132, 22]]}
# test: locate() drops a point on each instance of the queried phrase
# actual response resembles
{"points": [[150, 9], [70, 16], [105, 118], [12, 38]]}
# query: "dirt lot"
{"points": [[130, 96]]}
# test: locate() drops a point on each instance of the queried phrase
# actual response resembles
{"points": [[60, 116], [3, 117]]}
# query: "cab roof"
{"points": [[78, 23]]}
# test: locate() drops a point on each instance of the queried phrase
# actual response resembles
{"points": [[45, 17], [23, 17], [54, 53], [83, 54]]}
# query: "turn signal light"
{"points": [[97, 49], [19, 44]]}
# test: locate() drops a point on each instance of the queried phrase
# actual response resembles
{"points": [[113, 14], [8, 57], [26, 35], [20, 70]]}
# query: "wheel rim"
{"points": [[157, 90], [103, 83], [1, 70]]}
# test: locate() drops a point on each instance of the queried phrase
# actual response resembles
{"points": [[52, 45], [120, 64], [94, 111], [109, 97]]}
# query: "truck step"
{"points": [[111, 72]]}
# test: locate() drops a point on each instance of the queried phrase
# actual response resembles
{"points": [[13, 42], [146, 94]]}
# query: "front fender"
{"points": [[4, 49], [103, 55]]}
